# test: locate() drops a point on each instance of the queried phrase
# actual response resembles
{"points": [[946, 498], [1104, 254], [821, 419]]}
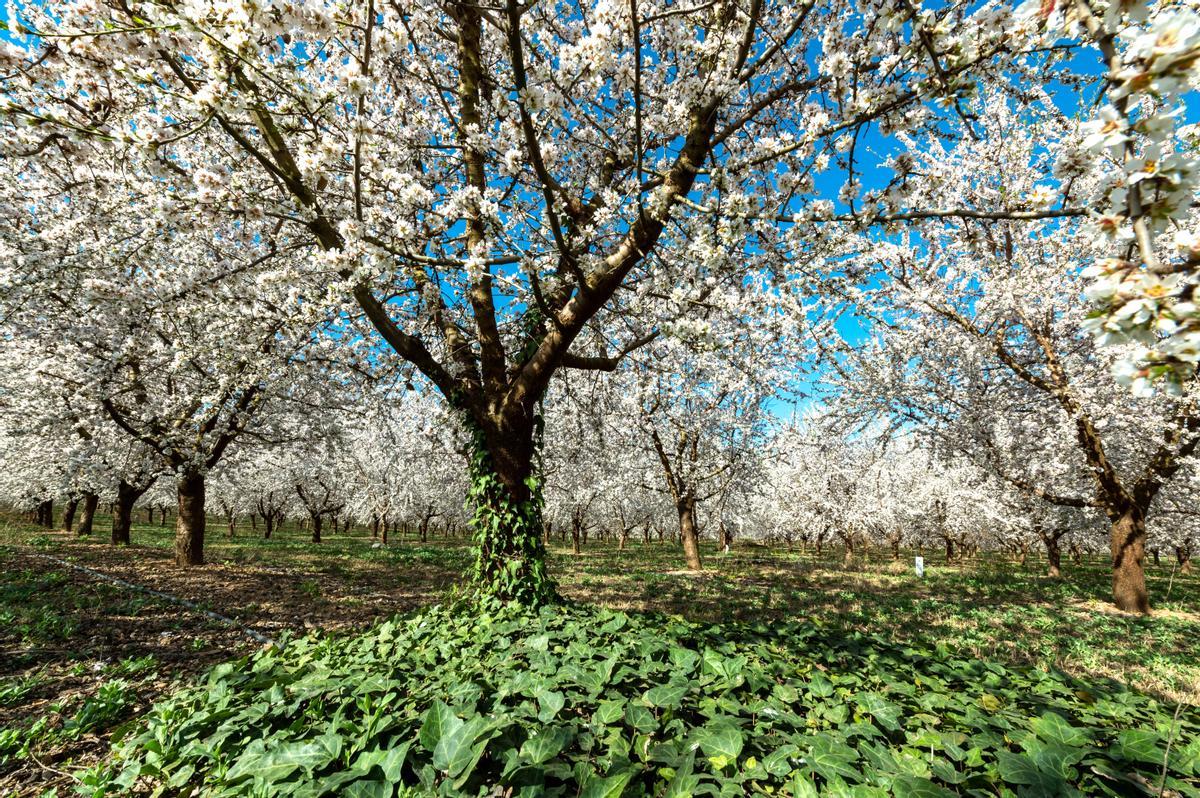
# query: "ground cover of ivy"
{"points": [[575, 700]]}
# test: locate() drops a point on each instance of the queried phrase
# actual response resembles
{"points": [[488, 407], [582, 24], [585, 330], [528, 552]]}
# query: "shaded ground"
{"points": [[80, 657]]}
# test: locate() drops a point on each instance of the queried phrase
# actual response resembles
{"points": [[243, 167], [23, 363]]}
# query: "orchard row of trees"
{"points": [[601, 233], [686, 468]]}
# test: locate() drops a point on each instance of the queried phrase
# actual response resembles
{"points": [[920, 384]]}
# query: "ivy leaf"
{"points": [[1019, 769], [990, 702], [884, 711], [268, 767], [722, 740], [831, 758], [820, 686], [550, 702], [802, 786], [609, 787], [439, 720], [545, 746], [786, 693], [907, 786], [640, 718], [776, 763], [1053, 728], [368, 789], [684, 783], [666, 695], [1139, 745], [609, 711], [457, 748]]}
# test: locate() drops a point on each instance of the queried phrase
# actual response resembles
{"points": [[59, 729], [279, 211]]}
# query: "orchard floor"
{"points": [[80, 658]]}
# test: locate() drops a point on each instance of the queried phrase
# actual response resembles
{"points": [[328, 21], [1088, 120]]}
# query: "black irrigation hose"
{"points": [[165, 596]]}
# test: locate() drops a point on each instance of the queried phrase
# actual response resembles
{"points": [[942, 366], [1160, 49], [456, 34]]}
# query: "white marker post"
{"points": [[920, 563]]}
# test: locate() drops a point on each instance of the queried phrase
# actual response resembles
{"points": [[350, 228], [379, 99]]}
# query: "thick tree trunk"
{"points": [[87, 516], [268, 525], [576, 530], [316, 527], [190, 520], [68, 520], [505, 493], [1128, 543], [122, 512], [949, 550], [232, 525], [688, 534]]}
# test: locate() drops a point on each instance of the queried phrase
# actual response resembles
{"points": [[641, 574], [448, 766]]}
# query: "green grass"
{"points": [[990, 607]]}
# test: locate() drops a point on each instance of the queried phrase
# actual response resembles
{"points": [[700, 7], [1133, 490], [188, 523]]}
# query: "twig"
{"points": [[1162, 781]]}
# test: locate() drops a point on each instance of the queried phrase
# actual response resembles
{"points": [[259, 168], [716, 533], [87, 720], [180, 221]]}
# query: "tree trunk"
{"points": [[122, 512], [506, 499], [316, 527], [1053, 556], [68, 521], [576, 529], [1128, 543], [45, 514], [163, 517], [1183, 555], [949, 550], [190, 520], [688, 534], [232, 525], [268, 525], [374, 527], [88, 516]]}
